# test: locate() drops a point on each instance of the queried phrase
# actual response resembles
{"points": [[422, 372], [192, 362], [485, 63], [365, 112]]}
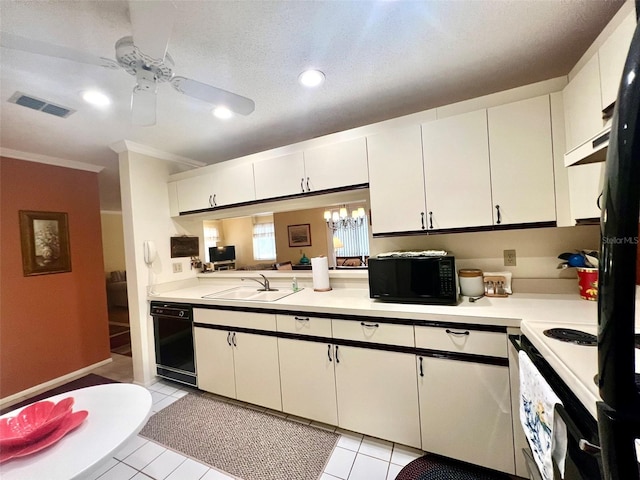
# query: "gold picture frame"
{"points": [[44, 238], [299, 235]]}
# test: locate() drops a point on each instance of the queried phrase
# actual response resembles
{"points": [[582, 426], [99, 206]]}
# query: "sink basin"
{"points": [[251, 294]]}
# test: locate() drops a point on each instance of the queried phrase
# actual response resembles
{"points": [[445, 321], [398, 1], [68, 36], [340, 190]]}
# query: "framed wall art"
{"points": [[299, 235], [44, 237]]}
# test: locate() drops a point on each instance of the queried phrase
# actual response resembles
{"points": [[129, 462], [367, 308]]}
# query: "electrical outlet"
{"points": [[509, 258], [177, 267]]}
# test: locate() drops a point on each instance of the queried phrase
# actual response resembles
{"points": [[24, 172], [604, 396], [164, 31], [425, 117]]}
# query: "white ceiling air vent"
{"points": [[41, 105]]}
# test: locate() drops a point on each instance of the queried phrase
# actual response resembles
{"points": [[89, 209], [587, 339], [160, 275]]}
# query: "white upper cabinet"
{"points": [[396, 180], [226, 185], [595, 87], [337, 165], [522, 181], [585, 186], [195, 193], [331, 166], [612, 55], [583, 105], [456, 171], [280, 176]]}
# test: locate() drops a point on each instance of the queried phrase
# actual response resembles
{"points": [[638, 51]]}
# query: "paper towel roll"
{"points": [[320, 273]]}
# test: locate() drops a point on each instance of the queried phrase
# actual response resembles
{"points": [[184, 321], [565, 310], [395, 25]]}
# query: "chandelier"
{"points": [[341, 219]]}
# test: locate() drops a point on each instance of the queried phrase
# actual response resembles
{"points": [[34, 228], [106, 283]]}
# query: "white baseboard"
{"points": [[43, 387]]}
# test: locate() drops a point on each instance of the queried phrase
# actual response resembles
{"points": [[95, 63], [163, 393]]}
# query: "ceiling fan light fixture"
{"points": [[96, 98], [222, 112], [311, 78]]}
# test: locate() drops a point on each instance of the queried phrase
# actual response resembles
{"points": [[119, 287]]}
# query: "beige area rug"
{"points": [[241, 441]]}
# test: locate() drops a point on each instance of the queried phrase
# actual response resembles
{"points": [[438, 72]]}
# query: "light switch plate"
{"points": [[177, 267]]}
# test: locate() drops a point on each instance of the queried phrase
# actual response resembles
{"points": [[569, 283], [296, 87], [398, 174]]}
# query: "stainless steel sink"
{"points": [[250, 294]]}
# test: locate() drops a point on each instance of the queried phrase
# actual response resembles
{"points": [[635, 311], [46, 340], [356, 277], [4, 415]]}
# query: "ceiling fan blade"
{"points": [[143, 107], [152, 23], [213, 95], [16, 42]]}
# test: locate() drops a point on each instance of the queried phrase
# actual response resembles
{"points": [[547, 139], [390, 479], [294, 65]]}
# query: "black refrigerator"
{"points": [[619, 411]]}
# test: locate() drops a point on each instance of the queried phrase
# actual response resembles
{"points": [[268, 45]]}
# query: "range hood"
{"points": [[593, 150]]}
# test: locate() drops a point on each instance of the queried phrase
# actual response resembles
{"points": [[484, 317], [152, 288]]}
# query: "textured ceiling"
{"points": [[382, 59]]}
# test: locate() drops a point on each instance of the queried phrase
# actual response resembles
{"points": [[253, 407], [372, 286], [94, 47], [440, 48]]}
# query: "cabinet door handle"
{"points": [[430, 219], [302, 184], [211, 200], [215, 204], [421, 370], [452, 332], [329, 352], [302, 319], [229, 338], [308, 187], [337, 358], [422, 220], [233, 339], [369, 325], [598, 201], [499, 220]]}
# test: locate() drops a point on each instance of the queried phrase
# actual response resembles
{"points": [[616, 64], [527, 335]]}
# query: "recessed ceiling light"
{"points": [[96, 98], [311, 78], [222, 112]]}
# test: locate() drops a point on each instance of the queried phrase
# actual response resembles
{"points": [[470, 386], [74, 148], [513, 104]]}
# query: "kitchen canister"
{"points": [[471, 282], [588, 283]]}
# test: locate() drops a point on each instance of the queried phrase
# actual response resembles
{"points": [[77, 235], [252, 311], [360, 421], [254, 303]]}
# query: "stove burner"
{"points": [[572, 336]]}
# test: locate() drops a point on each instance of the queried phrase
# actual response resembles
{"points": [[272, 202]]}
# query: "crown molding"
{"points": [[129, 146], [60, 162]]}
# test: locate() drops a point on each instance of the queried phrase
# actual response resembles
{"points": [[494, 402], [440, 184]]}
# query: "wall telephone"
{"points": [[150, 252]]}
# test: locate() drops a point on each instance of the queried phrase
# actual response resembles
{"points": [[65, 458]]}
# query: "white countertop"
{"points": [[510, 311]]}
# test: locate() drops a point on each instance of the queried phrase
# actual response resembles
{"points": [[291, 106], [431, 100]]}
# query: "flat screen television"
{"points": [[222, 254]]}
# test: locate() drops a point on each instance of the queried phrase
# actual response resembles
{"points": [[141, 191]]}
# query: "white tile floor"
{"points": [[355, 457]]}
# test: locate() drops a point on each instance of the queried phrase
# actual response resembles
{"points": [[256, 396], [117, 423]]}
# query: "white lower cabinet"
{"points": [[377, 394], [308, 379], [214, 361], [465, 411], [239, 365]]}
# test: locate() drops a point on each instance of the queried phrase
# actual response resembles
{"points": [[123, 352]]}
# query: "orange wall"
{"points": [[50, 325]]}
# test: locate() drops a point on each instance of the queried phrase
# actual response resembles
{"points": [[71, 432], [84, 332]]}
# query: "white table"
{"points": [[117, 412]]}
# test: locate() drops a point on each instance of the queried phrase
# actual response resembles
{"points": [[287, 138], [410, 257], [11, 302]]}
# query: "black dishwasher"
{"points": [[173, 333]]}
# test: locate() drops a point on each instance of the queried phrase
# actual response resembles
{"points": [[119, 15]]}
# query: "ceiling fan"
{"points": [[143, 55]]}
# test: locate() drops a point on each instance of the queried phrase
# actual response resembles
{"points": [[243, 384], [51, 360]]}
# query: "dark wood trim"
{"points": [[463, 357], [485, 228], [277, 199]]}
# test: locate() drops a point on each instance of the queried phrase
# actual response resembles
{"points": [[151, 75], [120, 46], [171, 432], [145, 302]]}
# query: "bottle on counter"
{"points": [[294, 284]]}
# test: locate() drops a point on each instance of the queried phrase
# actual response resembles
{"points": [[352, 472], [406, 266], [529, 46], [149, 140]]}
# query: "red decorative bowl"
{"points": [[33, 422]]}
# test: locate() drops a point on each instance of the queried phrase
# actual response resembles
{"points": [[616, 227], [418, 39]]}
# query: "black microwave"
{"points": [[414, 279]]}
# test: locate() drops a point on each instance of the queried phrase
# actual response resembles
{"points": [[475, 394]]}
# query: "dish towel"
{"points": [[545, 431]]}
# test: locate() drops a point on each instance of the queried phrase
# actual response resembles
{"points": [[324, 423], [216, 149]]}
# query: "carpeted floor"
{"points": [[82, 382], [241, 441], [434, 467]]}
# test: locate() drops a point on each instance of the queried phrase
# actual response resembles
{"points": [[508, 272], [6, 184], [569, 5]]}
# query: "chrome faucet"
{"points": [[265, 284]]}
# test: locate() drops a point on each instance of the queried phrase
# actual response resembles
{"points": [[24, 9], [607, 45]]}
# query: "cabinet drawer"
{"points": [[462, 340], [257, 321], [374, 332], [304, 325]]}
